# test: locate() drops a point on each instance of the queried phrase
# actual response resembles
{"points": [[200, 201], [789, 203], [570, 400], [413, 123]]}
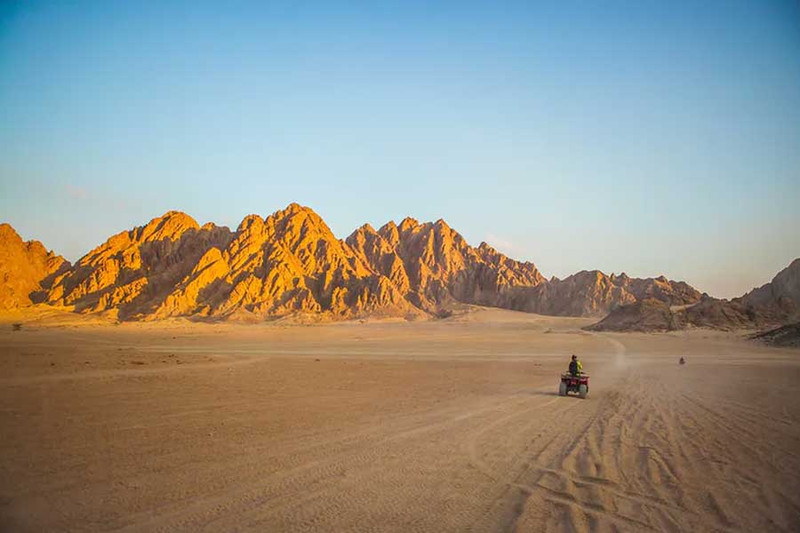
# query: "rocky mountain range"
{"points": [[593, 293], [771, 305], [290, 263]]}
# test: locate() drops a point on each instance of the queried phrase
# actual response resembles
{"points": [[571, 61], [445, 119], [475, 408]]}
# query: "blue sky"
{"points": [[638, 136]]}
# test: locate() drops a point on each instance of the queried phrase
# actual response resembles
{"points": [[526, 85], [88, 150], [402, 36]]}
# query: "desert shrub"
{"points": [[16, 327]]}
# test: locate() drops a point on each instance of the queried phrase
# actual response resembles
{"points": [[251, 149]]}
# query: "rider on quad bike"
{"points": [[575, 366], [574, 380]]}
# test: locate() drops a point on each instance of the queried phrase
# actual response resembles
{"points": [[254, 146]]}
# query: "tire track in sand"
{"points": [[541, 477], [309, 479]]}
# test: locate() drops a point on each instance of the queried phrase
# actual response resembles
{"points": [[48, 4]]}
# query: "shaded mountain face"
{"points": [[291, 263], [787, 336], [645, 315], [729, 315], [781, 295], [27, 269], [771, 305], [593, 293], [653, 315]]}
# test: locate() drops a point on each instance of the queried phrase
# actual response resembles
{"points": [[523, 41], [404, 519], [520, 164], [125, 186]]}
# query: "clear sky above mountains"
{"points": [[650, 137]]}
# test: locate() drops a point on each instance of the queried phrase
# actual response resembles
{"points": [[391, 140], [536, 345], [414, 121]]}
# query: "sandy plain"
{"points": [[451, 425]]}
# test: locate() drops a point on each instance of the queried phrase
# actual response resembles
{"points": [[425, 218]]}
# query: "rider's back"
{"points": [[573, 368]]}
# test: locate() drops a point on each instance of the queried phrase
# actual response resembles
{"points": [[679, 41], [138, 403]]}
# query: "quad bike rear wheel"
{"points": [[562, 389], [583, 390]]}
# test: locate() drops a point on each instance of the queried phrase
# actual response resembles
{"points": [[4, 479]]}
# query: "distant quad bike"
{"points": [[578, 384]]}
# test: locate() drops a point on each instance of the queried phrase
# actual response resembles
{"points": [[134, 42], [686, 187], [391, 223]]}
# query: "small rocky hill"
{"points": [[645, 315], [593, 293], [787, 336], [769, 306]]}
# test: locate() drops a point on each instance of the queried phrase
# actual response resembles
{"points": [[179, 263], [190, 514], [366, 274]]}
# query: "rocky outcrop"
{"points": [[781, 295], [771, 305], [670, 292], [655, 315], [645, 315], [27, 270], [134, 271], [787, 336], [433, 266], [727, 315], [593, 293]]}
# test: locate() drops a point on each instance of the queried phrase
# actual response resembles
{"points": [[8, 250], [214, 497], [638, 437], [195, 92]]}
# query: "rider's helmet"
{"points": [[574, 357]]}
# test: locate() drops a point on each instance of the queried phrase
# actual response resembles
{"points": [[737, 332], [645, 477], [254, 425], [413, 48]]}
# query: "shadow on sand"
{"points": [[553, 393], [543, 393]]}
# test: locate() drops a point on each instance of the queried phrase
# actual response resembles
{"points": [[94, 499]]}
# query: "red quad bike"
{"points": [[570, 383]]}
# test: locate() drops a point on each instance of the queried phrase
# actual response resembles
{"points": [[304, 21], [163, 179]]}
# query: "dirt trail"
{"points": [[662, 451], [443, 427]]}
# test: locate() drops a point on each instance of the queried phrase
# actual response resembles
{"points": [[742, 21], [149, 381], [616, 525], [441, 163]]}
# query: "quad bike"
{"points": [[570, 383]]}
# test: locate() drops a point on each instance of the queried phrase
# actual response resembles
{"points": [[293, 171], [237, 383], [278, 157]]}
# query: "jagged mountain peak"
{"points": [[248, 222], [593, 275], [296, 216], [295, 207], [10, 238], [293, 211], [299, 227], [389, 226], [27, 269], [7, 231], [620, 278], [364, 231], [390, 232], [170, 225], [408, 224], [210, 226]]}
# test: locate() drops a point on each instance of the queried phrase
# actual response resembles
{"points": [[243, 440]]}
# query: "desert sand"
{"points": [[447, 425]]}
